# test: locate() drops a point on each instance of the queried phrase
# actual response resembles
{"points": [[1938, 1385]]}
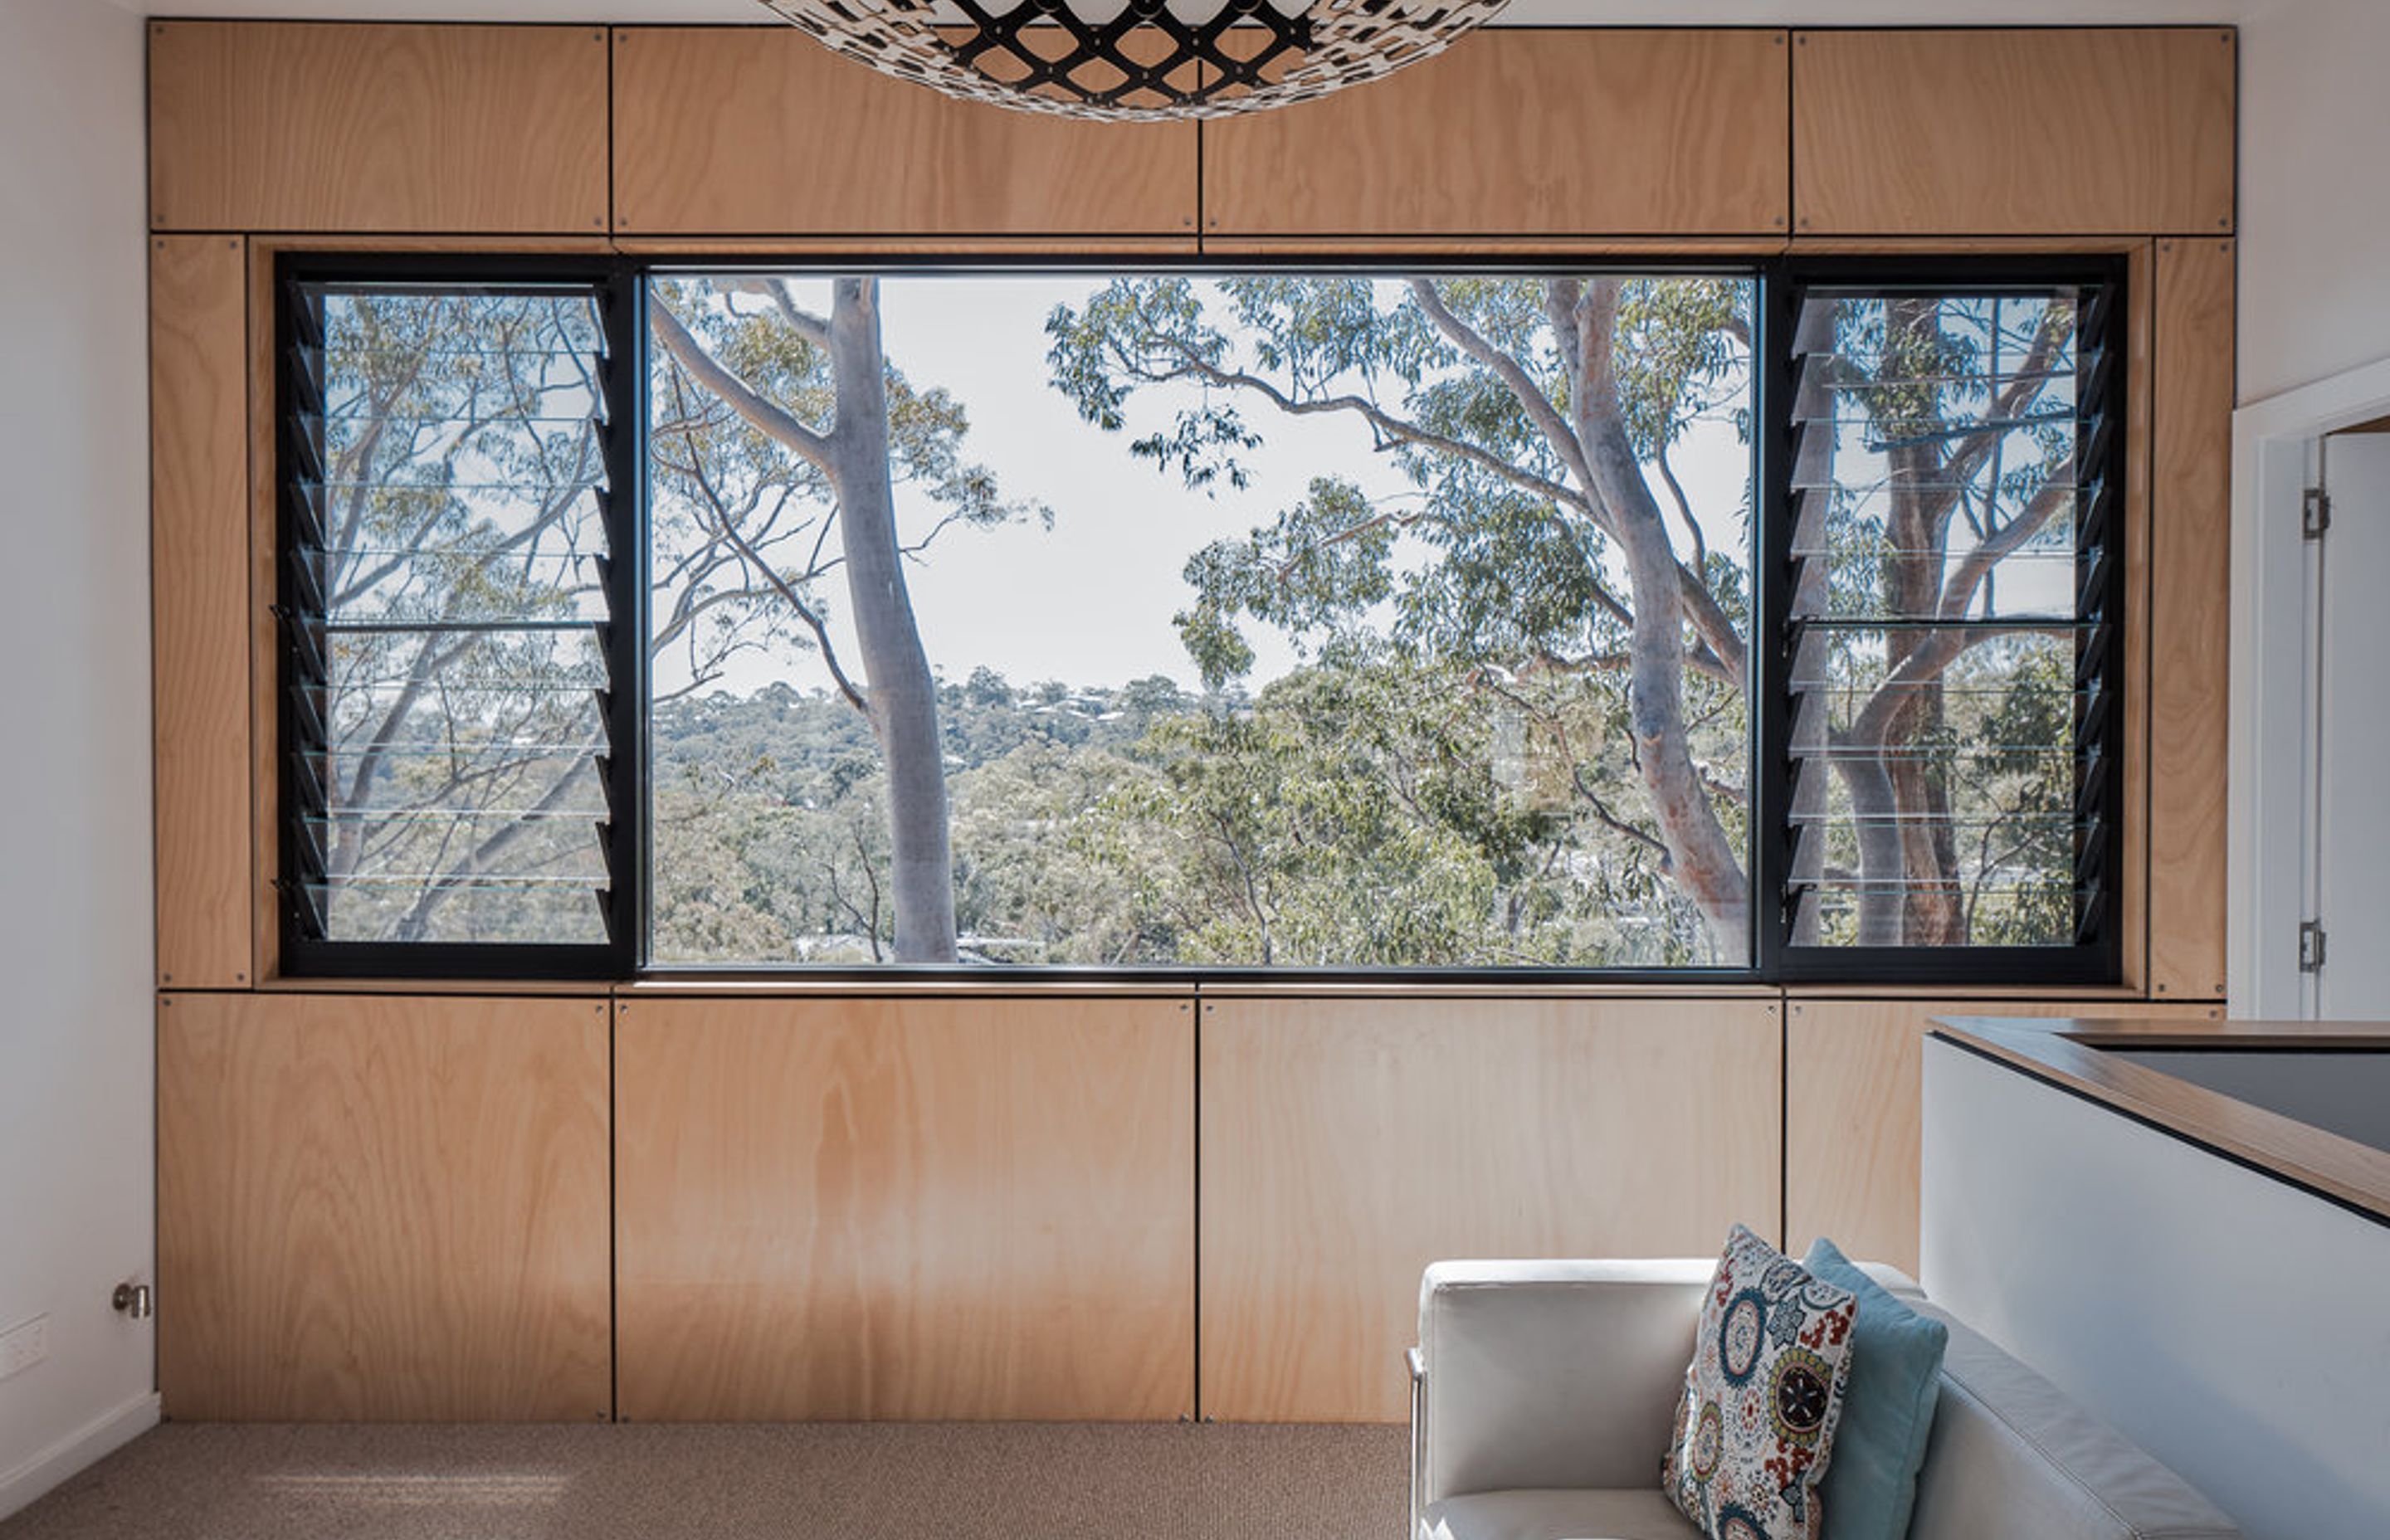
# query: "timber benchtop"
{"points": [[2069, 1053]]}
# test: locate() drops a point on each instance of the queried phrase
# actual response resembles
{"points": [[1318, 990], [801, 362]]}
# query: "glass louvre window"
{"points": [[446, 621], [1952, 580]]}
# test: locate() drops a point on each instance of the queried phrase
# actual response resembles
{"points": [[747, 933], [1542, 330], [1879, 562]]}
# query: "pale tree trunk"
{"points": [[898, 694], [1703, 860], [902, 695], [1931, 901]]}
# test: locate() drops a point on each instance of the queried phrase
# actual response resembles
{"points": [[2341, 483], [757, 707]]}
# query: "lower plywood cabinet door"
{"points": [[907, 1208], [375, 1208], [1349, 1143]]}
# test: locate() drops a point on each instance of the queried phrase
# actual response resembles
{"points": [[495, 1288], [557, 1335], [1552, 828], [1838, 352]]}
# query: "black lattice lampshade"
{"points": [[1138, 60]]}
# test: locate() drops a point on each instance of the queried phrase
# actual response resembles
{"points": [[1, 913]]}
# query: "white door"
{"points": [[2349, 818]]}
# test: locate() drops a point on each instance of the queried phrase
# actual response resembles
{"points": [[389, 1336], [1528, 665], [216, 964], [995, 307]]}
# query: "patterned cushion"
{"points": [[1755, 1423]]}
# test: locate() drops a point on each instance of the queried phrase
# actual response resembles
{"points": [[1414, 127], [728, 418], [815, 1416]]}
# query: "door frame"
{"points": [[2273, 454]]}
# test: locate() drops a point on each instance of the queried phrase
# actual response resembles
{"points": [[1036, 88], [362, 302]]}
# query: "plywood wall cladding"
{"points": [[2190, 610], [2046, 131], [737, 131], [198, 521], [380, 1208], [918, 1209], [1347, 1144], [1523, 132], [379, 128], [1852, 1119]]}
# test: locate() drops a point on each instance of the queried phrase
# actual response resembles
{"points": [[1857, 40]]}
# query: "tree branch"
{"points": [[768, 418], [1523, 388], [728, 526], [1194, 367]]}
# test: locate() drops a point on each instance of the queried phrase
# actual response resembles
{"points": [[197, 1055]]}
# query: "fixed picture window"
{"points": [[447, 471], [1313, 621], [1739, 623]]}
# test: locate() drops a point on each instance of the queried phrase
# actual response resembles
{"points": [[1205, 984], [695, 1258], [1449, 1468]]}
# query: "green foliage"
{"points": [[1364, 813]]}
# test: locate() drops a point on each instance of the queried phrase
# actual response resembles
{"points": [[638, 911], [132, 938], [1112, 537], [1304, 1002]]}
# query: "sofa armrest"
{"points": [[1550, 1374]]}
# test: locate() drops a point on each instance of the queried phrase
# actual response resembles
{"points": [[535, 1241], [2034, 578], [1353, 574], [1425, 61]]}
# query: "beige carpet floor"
{"points": [[821, 1481]]}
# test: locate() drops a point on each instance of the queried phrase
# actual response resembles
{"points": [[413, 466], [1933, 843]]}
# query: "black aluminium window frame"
{"points": [[620, 291], [2095, 959], [2096, 955]]}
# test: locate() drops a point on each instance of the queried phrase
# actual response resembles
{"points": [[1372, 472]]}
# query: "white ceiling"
{"points": [[1581, 12]]}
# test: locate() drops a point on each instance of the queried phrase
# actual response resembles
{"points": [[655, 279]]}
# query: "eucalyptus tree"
{"points": [[1547, 533], [782, 406]]}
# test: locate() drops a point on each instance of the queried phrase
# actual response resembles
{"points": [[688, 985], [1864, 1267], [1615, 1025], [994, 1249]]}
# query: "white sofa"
{"points": [[1542, 1393]]}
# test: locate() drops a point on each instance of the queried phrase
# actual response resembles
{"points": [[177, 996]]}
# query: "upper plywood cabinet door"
{"points": [[723, 131], [1523, 132], [376, 128], [2064, 131]]}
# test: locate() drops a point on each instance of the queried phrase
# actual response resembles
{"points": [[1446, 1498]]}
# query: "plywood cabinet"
{"points": [[1852, 1117], [1348, 1144], [914, 1209], [1523, 132], [2031, 131], [723, 131], [376, 127], [382, 1209], [198, 531]]}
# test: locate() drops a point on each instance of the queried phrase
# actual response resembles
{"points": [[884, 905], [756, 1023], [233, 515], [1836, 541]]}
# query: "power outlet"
{"points": [[24, 1346]]}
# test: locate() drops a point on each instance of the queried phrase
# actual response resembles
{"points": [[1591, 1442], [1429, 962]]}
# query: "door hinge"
{"points": [[2310, 946], [2315, 513]]}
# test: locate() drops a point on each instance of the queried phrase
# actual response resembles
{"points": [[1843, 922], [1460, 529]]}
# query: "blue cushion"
{"points": [[1870, 1484]]}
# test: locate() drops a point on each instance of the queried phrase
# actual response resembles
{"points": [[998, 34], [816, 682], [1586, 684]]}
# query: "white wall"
{"points": [[2229, 1323], [2314, 229], [75, 1035]]}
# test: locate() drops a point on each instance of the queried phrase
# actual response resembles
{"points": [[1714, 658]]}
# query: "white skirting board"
{"points": [[85, 1446]]}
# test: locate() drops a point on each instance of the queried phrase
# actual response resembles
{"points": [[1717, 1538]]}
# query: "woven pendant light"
{"points": [[1141, 60]]}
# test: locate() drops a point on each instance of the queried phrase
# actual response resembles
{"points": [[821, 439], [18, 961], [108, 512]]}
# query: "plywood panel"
{"points": [[2133, 908], [2047, 131], [1348, 1144], [264, 630], [198, 534], [281, 125], [2190, 615], [1851, 1113], [382, 1209], [909, 1209], [762, 131], [1523, 132]]}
